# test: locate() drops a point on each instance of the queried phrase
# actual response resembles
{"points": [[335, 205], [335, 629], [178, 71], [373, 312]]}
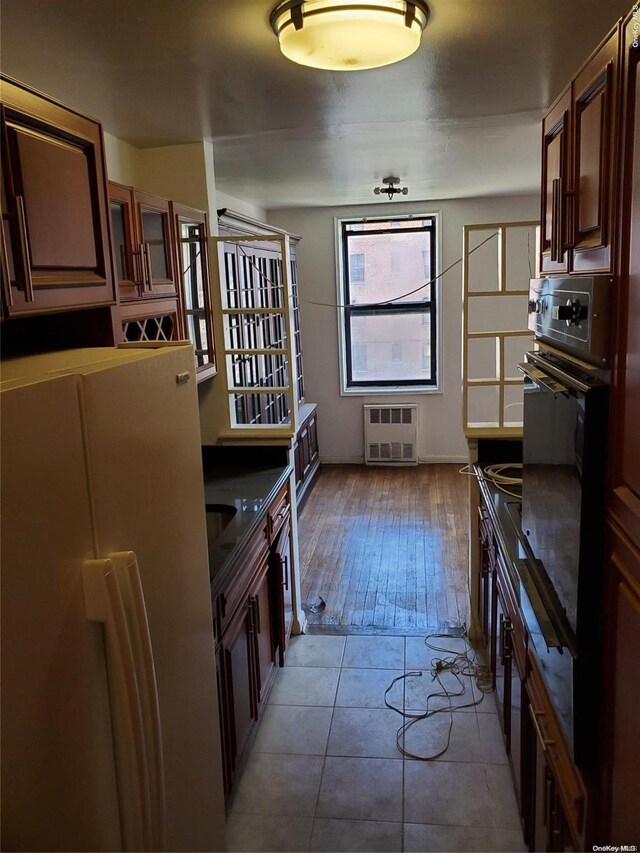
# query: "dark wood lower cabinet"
{"points": [[548, 786], [253, 616], [263, 612], [280, 570], [305, 450], [238, 662], [546, 824]]}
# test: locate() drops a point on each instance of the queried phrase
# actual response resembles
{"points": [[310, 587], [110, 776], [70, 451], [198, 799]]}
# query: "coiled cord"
{"points": [[461, 664]]}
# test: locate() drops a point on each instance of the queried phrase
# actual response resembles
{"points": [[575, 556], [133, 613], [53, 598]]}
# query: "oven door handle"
{"points": [[538, 378]]}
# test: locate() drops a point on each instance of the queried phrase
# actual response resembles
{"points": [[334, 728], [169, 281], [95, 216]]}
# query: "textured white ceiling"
{"points": [[459, 118]]}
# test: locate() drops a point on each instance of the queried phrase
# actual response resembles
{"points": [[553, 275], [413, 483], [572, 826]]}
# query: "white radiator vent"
{"points": [[390, 435]]}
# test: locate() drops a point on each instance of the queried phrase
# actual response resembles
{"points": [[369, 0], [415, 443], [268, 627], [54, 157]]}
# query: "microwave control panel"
{"points": [[573, 314]]}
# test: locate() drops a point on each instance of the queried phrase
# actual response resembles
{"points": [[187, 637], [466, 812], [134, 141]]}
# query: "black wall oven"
{"points": [[562, 514]]}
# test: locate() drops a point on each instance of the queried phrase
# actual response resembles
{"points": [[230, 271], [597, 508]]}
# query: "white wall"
{"points": [[340, 417], [241, 206]]}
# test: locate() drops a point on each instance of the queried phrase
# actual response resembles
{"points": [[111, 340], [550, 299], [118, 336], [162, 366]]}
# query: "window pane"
{"points": [[356, 269], [388, 266], [391, 347]]}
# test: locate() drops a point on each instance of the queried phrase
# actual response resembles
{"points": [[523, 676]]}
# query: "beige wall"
{"points": [[340, 417], [182, 173]]}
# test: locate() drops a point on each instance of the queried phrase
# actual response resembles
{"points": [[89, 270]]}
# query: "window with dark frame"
{"points": [[389, 317]]}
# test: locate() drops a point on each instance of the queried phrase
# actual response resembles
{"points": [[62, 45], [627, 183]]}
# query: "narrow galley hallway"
{"points": [[324, 772], [386, 548]]}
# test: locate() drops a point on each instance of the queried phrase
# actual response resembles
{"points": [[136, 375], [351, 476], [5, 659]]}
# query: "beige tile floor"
{"points": [[324, 773]]}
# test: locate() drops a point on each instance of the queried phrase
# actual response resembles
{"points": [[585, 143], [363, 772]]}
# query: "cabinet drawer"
{"points": [[553, 745], [254, 559], [279, 511]]}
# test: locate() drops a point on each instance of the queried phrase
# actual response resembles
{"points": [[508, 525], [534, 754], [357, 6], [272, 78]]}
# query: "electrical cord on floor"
{"points": [[495, 475], [461, 664]]}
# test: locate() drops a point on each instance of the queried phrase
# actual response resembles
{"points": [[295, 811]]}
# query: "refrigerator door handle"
{"points": [[103, 603], [128, 573]]}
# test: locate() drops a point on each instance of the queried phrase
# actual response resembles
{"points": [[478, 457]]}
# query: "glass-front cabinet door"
{"points": [[141, 239], [154, 231], [195, 295]]}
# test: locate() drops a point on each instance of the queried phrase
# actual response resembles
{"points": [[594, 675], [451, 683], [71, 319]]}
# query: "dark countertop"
{"points": [[249, 490], [556, 664]]}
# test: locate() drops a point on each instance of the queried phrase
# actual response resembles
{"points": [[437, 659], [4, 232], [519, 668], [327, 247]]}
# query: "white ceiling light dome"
{"points": [[346, 35]]}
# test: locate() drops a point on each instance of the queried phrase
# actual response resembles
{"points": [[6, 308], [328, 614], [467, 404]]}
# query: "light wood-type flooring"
{"points": [[386, 548]]}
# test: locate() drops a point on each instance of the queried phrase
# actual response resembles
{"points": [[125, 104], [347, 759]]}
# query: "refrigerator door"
{"points": [[142, 437], [58, 775]]}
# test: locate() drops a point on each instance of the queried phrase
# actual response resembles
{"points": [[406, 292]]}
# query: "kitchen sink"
{"points": [[218, 517]]}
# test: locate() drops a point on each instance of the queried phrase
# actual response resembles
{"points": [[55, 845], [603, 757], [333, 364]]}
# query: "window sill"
{"points": [[396, 391]]}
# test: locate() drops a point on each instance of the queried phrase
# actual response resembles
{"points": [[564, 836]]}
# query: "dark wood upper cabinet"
{"points": [[595, 133], [55, 231], [142, 243], [556, 170], [579, 136], [192, 264], [620, 765], [624, 497]]}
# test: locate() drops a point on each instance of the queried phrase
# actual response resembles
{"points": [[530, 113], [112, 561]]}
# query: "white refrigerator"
{"points": [[109, 713]]}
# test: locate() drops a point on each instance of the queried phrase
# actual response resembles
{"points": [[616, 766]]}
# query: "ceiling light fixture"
{"points": [[347, 35], [390, 189]]}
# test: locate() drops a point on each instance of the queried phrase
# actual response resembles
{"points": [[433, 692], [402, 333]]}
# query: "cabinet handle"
{"points": [[24, 250], [505, 627], [544, 742], [147, 256], [285, 571], [555, 186], [256, 605], [6, 277]]}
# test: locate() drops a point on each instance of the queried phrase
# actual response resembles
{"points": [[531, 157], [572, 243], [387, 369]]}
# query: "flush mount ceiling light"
{"points": [[346, 35], [390, 189]]}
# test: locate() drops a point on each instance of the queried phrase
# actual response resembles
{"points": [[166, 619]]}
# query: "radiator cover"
{"points": [[391, 434]]}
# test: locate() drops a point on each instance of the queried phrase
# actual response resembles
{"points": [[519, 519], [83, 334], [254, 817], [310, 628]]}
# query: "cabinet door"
{"points": [[264, 634], [515, 725], [484, 598], [594, 141], [313, 439], [239, 664], [503, 664], [127, 258], [622, 691], [280, 570], [54, 207], [299, 463], [154, 234], [226, 747], [556, 164], [624, 498], [195, 292]]}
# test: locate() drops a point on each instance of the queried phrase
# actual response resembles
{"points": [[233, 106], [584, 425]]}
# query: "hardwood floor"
{"points": [[386, 548]]}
